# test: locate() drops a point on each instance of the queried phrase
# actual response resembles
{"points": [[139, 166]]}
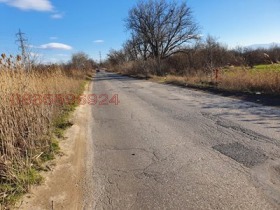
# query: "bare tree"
{"points": [[162, 26], [215, 53], [116, 57], [136, 48], [274, 53], [81, 61]]}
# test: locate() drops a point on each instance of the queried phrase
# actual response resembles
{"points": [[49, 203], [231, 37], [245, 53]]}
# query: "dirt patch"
{"points": [[64, 185]]}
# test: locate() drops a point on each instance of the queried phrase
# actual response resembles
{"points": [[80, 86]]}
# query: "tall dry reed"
{"points": [[26, 128], [267, 81]]}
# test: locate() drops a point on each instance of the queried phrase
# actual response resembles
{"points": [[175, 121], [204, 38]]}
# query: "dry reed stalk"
{"points": [[26, 130]]}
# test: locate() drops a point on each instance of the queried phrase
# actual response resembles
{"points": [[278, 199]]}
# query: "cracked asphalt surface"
{"points": [[166, 147]]}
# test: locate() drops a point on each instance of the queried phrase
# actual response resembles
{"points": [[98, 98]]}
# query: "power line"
{"points": [[100, 58]]}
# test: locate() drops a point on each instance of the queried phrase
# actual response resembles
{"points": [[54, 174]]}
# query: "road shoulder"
{"points": [[65, 184]]}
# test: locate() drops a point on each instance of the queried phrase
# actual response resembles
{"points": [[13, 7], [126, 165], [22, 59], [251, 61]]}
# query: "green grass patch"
{"points": [[267, 67], [61, 123], [53, 150], [18, 183]]}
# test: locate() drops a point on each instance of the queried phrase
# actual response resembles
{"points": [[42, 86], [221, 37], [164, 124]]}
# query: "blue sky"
{"points": [[55, 28]]}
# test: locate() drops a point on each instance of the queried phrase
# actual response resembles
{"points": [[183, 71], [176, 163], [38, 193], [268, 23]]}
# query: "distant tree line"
{"points": [[80, 65], [165, 39]]}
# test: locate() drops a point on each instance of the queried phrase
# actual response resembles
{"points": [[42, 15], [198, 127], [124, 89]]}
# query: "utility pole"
{"points": [[100, 58], [21, 40]]}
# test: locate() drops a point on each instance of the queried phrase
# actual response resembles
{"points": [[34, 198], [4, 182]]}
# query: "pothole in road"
{"points": [[247, 156]]}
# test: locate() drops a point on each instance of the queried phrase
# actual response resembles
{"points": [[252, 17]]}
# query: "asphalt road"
{"points": [[166, 147]]}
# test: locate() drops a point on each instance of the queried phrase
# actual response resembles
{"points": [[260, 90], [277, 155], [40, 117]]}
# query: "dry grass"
{"points": [[265, 80], [195, 79], [262, 78], [26, 131]]}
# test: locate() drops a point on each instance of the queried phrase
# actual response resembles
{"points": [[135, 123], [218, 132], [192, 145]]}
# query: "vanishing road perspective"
{"points": [[167, 147], [140, 105]]}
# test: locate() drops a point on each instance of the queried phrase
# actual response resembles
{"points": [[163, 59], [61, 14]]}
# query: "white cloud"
{"points": [[55, 46], [57, 16], [30, 45], [35, 54], [38, 5], [62, 55], [99, 41]]}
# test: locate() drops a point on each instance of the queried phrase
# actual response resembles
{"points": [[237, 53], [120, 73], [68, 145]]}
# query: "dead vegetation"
{"points": [[233, 79], [251, 80], [208, 63], [31, 124], [165, 44]]}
